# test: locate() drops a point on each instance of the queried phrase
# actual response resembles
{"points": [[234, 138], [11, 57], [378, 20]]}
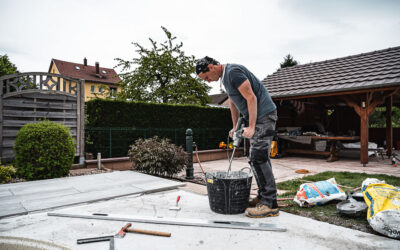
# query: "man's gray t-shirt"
{"points": [[234, 76]]}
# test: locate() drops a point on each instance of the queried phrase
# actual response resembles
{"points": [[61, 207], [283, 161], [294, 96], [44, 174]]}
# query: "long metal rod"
{"points": [[230, 161], [178, 221]]}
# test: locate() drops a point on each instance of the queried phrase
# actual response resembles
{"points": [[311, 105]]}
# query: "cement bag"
{"points": [[319, 193], [383, 201]]}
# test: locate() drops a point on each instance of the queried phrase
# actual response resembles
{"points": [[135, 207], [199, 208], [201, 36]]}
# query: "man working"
{"points": [[249, 97]]}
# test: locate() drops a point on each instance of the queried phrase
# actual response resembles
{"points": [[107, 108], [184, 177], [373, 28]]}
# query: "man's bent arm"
{"points": [[234, 112], [247, 92]]}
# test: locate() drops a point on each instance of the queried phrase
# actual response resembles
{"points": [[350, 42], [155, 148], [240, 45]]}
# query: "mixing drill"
{"points": [[237, 139]]}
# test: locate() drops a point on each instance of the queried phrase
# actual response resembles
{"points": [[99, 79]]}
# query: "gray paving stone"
{"points": [[15, 208], [46, 194], [79, 198], [39, 195], [5, 193]]}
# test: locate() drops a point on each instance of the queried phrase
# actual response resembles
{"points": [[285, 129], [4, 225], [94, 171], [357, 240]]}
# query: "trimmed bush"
{"points": [[6, 173], [114, 113], [157, 156], [43, 150]]}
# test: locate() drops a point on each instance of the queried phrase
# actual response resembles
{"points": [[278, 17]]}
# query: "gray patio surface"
{"points": [[24, 197], [302, 232]]}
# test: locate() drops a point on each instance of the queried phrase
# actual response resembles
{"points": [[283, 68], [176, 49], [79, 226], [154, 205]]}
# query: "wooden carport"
{"points": [[362, 82]]}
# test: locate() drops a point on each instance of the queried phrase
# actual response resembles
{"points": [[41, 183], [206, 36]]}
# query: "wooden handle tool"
{"points": [[141, 231]]}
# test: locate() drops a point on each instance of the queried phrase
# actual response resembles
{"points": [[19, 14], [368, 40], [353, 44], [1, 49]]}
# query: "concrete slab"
{"points": [[302, 233], [14, 208], [32, 196]]}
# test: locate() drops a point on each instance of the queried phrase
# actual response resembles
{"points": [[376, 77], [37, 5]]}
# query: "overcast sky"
{"points": [[255, 33]]}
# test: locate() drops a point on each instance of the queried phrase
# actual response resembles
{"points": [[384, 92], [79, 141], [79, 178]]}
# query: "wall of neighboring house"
{"points": [[54, 70], [93, 88]]}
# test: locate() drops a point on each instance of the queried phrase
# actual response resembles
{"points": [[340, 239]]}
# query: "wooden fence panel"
{"points": [[34, 97]]}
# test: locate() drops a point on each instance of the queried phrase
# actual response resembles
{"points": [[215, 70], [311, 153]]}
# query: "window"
{"points": [[77, 67], [113, 91], [100, 90], [92, 88], [104, 72]]}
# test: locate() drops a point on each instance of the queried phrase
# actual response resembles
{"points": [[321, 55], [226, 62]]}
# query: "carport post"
{"points": [[189, 150]]}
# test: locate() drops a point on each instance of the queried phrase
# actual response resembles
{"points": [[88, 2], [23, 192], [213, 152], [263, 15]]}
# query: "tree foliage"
{"points": [[288, 61], [378, 118], [6, 66], [163, 74]]}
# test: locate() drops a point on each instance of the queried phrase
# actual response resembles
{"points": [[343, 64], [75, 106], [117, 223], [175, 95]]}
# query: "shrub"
{"points": [[157, 156], [6, 173], [43, 150]]}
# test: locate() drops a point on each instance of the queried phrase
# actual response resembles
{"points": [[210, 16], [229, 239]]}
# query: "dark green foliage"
{"points": [[162, 74], [43, 150], [378, 118], [6, 173], [288, 62], [110, 113], [157, 156], [6, 66], [117, 124]]}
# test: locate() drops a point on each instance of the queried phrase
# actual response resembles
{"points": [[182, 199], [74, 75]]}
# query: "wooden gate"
{"points": [[34, 97]]}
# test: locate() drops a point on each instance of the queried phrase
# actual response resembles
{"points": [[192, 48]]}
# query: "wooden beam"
{"points": [[389, 129], [352, 104], [334, 93], [364, 116]]}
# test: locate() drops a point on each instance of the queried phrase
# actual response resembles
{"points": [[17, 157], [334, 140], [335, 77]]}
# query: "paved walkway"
{"points": [[25, 197]]}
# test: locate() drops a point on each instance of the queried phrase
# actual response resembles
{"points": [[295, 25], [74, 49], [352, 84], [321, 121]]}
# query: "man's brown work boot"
{"points": [[261, 211], [254, 202]]}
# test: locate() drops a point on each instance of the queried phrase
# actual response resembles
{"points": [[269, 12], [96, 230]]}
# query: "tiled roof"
{"points": [[364, 71], [86, 72], [218, 98]]}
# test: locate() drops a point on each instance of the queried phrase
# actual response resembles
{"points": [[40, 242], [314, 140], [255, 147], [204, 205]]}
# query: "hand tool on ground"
{"points": [[149, 232], [237, 139], [98, 239], [122, 232], [126, 228], [180, 221], [176, 206]]}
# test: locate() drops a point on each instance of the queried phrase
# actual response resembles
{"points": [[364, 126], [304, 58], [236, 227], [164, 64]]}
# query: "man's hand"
{"points": [[248, 132], [231, 132]]}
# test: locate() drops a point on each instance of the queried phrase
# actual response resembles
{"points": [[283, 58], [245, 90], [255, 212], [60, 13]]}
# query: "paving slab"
{"points": [[25, 197], [302, 233]]}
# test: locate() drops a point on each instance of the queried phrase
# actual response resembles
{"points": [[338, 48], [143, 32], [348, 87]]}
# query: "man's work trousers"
{"points": [[260, 163]]}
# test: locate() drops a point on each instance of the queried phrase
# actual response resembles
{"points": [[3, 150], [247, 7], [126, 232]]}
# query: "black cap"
{"points": [[202, 64]]}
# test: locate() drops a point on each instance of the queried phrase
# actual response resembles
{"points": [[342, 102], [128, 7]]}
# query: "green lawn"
{"points": [[328, 212]]}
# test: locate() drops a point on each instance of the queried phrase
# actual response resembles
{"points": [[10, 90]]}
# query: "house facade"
{"points": [[99, 81]]}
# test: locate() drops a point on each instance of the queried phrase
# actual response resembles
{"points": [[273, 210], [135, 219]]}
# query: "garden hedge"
{"points": [[113, 113]]}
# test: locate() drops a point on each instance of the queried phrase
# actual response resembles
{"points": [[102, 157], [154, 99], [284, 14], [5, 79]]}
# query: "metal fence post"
{"points": [[189, 149]]}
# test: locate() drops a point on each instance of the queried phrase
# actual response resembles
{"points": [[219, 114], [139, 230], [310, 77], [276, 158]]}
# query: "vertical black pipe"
{"points": [[189, 150]]}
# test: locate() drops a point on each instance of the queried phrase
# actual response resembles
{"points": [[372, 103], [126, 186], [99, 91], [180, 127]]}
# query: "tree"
{"points": [[6, 66], [288, 62], [164, 74]]}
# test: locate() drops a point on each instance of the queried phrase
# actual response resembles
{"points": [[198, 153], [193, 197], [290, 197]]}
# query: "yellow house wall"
{"points": [[88, 86], [54, 70], [88, 89]]}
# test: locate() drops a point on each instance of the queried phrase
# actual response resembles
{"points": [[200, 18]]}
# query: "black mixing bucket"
{"points": [[229, 194]]}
